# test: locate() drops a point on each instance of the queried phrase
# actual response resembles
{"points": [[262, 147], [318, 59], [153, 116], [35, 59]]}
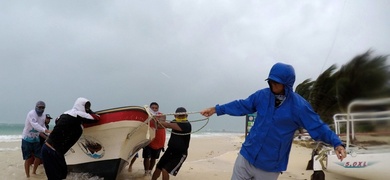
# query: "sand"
{"points": [[210, 157]]}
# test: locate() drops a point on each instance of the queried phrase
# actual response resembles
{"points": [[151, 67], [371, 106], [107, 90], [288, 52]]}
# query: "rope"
{"points": [[322, 157], [183, 134], [146, 122], [335, 36], [183, 113]]}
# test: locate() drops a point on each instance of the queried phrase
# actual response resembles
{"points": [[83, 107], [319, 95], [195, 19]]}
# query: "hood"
{"points": [[79, 105], [283, 74], [79, 109]]}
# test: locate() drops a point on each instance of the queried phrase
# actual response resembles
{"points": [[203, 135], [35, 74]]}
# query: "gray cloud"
{"points": [[179, 53]]}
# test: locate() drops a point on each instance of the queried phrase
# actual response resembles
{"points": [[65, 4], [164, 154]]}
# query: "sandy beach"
{"points": [[210, 157]]}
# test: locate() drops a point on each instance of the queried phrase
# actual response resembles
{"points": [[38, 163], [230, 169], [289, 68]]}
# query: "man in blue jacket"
{"points": [[280, 112]]}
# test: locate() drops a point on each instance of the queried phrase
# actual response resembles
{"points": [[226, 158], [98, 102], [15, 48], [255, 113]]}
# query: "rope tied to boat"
{"points": [[188, 121], [323, 156], [145, 123]]}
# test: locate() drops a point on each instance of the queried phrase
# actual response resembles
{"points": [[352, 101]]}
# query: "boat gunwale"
{"points": [[123, 108]]}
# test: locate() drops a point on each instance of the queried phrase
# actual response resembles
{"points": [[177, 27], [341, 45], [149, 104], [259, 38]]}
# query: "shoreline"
{"points": [[210, 157]]}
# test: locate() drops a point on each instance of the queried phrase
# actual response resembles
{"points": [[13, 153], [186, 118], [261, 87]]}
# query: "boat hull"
{"points": [[105, 148], [368, 147], [373, 163]]}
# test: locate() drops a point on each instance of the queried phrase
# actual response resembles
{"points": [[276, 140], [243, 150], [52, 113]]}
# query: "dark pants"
{"points": [[148, 152], [54, 164], [171, 161]]}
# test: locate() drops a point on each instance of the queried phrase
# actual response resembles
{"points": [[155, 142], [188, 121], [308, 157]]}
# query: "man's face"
{"points": [[276, 88], [42, 108], [179, 117], [87, 106], [154, 108]]}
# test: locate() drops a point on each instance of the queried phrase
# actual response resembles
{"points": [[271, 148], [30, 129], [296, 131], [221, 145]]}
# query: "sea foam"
{"points": [[10, 138]]}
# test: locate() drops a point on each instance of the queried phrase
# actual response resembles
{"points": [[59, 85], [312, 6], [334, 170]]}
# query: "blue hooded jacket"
{"points": [[268, 144]]}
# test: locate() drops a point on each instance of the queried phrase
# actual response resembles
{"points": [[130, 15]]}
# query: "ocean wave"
{"points": [[9, 149], [10, 138]]}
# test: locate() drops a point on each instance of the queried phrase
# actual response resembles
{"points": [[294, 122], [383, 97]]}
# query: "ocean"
{"points": [[11, 132]]}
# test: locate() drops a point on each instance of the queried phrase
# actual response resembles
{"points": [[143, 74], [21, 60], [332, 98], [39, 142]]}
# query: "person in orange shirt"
{"points": [[152, 151]]}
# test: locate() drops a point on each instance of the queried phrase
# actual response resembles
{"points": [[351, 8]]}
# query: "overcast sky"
{"points": [[178, 53]]}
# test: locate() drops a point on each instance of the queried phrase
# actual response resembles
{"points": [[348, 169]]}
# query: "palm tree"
{"points": [[363, 77], [322, 96], [304, 88]]}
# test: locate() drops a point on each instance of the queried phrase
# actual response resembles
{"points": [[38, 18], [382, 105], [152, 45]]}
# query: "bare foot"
{"points": [[130, 169]]}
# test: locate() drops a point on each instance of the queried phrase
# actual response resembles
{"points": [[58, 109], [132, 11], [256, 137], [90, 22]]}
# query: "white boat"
{"points": [[368, 154], [106, 147]]}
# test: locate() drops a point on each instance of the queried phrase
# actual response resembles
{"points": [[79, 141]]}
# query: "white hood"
{"points": [[79, 109]]}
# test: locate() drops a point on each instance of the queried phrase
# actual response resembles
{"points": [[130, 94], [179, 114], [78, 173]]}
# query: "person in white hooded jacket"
{"points": [[31, 148], [65, 134]]}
